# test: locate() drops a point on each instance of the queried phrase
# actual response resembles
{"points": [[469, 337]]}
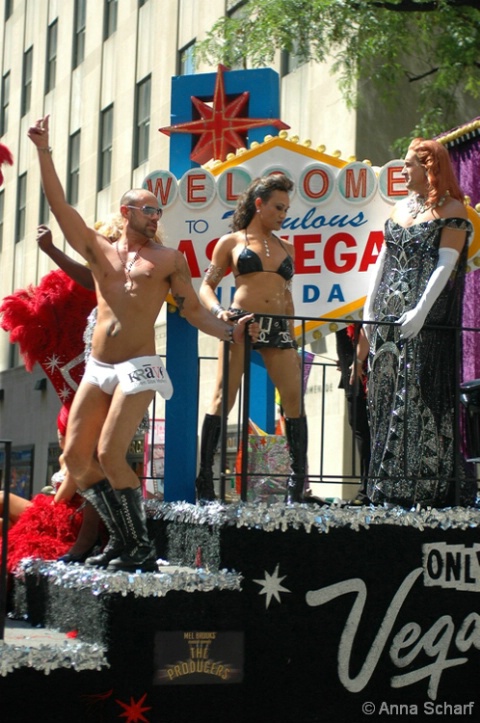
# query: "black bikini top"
{"points": [[249, 262]]}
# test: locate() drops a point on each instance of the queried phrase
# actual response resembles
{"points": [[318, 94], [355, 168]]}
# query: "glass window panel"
{"points": [[142, 121], [51, 67]]}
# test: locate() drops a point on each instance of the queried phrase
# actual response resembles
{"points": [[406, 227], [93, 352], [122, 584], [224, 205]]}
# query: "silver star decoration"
{"points": [[53, 362], [67, 368], [271, 586], [65, 394]]}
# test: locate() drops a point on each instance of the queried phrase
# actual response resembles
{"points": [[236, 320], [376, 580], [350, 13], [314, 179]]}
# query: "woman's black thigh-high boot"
{"points": [[209, 440], [297, 438]]}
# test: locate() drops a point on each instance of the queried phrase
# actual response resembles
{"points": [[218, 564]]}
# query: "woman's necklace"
{"points": [[127, 267], [267, 248], [416, 204]]}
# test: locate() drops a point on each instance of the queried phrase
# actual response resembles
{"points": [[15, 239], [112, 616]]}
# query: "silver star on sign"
{"points": [[271, 586]]}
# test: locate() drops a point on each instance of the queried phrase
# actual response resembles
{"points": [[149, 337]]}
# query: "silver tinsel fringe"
{"points": [[45, 658], [310, 516], [186, 543], [145, 584]]}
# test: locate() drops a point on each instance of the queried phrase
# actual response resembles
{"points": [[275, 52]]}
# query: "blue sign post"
{"points": [[182, 339]]}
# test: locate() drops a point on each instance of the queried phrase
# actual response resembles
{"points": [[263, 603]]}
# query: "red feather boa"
{"points": [[46, 530]]}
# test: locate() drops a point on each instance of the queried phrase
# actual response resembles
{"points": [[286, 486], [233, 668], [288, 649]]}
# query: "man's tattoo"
{"points": [[179, 300]]}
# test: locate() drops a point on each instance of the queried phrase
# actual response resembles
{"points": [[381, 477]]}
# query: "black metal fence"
{"points": [[466, 420], [7, 444]]}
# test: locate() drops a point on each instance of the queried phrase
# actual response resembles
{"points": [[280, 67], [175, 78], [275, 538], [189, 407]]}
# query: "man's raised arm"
{"points": [[74, 228]]}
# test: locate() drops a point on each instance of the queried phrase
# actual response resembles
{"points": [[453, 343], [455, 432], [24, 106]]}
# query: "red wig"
{"points": [[62, 420], [441, 177]]}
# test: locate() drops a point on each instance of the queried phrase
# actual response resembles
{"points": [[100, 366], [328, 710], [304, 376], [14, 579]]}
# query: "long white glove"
{"points": [[372, 292], [412, 321]]}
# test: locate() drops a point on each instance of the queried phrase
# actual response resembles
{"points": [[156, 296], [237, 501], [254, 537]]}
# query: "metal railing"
{"points": [[319, 472], [6, 509], [323, 475]]}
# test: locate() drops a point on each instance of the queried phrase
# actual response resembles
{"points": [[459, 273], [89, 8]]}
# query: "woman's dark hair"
{"points": [[258, 188]]}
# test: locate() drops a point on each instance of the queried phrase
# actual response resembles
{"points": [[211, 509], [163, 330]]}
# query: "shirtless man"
{"points": [[132, 279]]}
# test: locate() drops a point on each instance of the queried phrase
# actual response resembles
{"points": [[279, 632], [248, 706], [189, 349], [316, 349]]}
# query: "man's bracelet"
{"points": [[360, 361], [45, 149], [216, 309]]}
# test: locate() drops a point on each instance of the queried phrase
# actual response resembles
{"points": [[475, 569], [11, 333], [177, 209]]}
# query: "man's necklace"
{"points": [[416, 204], [127, 267]]}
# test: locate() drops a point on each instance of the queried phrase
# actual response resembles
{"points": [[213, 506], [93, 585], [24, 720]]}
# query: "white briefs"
{"points": [[135, 375]]}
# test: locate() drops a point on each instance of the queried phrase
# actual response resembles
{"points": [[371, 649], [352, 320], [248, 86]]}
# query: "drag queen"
{"points": [[47, 321], [418, 284]]}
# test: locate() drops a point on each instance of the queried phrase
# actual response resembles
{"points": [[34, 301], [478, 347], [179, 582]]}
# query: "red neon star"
{"points": [[221, 128], [134, 710]]}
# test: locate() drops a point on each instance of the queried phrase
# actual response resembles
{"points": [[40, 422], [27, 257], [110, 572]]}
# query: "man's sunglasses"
{"points": [[148, 210]]}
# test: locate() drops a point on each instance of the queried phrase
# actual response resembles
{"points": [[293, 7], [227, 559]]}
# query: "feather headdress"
{"points": [[48, 321], [5, 157]]}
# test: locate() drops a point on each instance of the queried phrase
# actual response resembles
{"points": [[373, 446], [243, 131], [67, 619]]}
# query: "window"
{"points": [[2, 208], [13, 356], [187, 60], [27, 81], [44, 213], [292, 59], [105, 156], [234, 5], [237, 10], [5, 103], [73, 168], [111, 7], [142, 120], [54, 452], [51, 68], [21, 207], [8, 9], [289, 62], [79, 32], [21, 471]]}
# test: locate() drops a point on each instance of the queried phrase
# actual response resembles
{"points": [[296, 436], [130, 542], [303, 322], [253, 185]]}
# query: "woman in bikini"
{"points": [[263, 267]]}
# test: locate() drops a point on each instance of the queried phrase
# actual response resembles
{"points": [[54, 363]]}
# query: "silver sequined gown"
{"points": [[412, 384]]}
